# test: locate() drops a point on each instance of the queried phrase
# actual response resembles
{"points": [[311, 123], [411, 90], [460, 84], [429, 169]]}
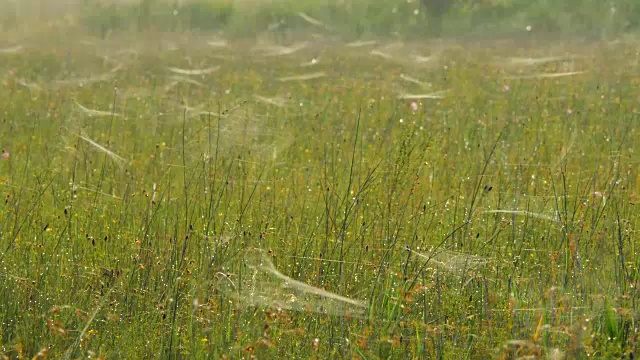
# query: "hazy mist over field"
{"points": [[342, 18]]}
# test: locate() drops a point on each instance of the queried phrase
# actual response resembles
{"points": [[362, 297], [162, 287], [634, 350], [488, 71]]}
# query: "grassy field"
{"points": [[182, 196]]}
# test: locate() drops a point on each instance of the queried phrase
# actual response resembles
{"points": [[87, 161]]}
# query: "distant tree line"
{"points": [[371, 17]]}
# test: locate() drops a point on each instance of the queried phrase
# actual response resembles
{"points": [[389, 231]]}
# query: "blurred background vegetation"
{"points": [[599, 19]]}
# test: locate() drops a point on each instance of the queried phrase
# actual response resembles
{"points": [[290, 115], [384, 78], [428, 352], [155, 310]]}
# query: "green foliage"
{"points": [[371, 17], [149, 14]]}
